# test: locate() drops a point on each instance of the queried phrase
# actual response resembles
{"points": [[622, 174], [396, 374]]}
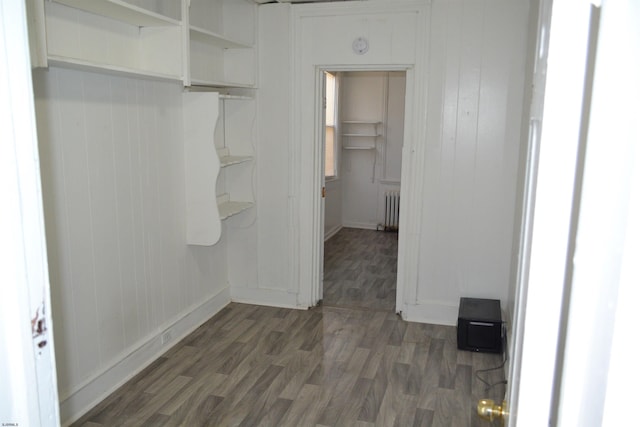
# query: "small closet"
{"points": [[371, 131]]}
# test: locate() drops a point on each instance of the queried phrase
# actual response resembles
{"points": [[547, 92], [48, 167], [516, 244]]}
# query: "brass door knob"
{"points": [[488, 410]]}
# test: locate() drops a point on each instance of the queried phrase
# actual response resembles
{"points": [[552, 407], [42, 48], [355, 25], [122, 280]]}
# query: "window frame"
{"points": [[333, 124]]}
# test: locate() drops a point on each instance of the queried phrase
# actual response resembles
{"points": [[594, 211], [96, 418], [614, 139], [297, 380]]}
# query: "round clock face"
{"points": [[360, 45]]}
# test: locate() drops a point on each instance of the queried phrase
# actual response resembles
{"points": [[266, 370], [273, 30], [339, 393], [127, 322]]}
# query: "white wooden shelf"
{"points": [[219, 83], [107, 35], [360, 122], [228, 160], [357, 129], [200, 112], [161, 41], [215, 39], [228, 208], [219, 56], [122, 11], [364, 147], [221, 96], [83, 64], [233, 160], [236, 97], [207, 170]]}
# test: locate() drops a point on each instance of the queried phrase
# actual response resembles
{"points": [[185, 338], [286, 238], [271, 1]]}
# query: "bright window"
{"points": [[330, 157]]}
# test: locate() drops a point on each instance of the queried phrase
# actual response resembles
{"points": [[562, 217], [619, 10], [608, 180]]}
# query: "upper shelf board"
{"points": [[235, 97], [215, 39], [230, 208], [359, 147], [233, 160], [122, 11], [360, 122], [218, 83], [63, 61]]}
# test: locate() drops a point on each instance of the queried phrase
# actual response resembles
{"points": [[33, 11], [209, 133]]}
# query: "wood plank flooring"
{"points": [[263, 366], [360, 269], [350, 362]]}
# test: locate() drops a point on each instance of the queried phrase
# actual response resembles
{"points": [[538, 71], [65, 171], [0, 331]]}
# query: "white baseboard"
{"points": [[96, 389], [362, 225], [332, 232], [269, 297], [434, 312]]}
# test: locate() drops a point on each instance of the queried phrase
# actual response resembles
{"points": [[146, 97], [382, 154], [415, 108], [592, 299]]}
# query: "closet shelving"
{"points": [[219, 55], [218, 160], [229, 208], [226, 159], [236, 153], [109, 35], [206, 36], [184, 40], [360, 134], [121, 11], [359, 147]]}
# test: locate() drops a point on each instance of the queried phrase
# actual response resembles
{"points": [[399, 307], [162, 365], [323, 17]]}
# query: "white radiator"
{"points": [[391, 210]]}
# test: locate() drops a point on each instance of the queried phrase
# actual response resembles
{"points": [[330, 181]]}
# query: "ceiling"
{"points": [[296, 1]]}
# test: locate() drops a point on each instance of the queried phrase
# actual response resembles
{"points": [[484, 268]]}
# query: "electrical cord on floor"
{"points": [[489, 385]]}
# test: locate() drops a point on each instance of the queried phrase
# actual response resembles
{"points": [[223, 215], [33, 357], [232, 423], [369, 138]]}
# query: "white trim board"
{"points": [[433, 312], [96, 389], [361, 225], [332, 232], [268, 297]]}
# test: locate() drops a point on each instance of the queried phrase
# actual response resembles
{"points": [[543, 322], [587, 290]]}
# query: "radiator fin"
{"points": [[391, 210]]}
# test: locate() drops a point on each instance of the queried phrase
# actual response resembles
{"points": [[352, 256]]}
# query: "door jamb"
{"points": [[315, 293]]}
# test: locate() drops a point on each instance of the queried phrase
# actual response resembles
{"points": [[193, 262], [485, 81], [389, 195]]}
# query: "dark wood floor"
{"points": [[328, 366]]}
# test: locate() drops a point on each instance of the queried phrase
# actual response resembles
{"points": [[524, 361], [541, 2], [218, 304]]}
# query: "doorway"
{"points": [[362, 153]]}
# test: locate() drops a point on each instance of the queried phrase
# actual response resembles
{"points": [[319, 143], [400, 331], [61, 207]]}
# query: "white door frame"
{"points": [[597, 351], [304, 149], [28, 390], [322, 117], [577, 283], [318, 214], [555, 129]]}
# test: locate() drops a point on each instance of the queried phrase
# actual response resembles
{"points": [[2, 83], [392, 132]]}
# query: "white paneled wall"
{"points": [[476, 86], [273, 181], [465, 62], [113, 184]]}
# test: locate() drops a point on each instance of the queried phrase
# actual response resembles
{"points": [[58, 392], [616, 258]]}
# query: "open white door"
{"points": [[28, 389], [323, 185], [554, 134], [576, 281]]}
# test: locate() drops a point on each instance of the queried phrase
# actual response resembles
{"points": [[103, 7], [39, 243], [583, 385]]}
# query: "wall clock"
{"points": [[360, 46]]}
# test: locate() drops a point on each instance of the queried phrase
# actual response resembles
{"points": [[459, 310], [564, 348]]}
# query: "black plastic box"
{"points": [[480, 325]]}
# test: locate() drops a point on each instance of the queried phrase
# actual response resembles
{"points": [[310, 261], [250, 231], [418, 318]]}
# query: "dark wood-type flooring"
{"points": [[360, 269], [328, 366]]}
